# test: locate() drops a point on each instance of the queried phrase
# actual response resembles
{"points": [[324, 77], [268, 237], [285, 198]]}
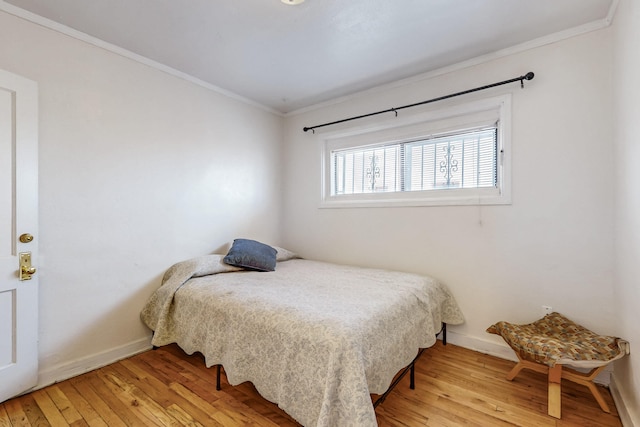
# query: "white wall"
{"points": [[138, 170], [552, 246], [627, 183]]}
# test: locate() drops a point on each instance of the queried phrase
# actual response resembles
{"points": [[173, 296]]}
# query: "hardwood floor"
{"points": [[165, 387]]}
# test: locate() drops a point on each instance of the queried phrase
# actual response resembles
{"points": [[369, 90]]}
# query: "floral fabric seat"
{"points": [[553, 341]]}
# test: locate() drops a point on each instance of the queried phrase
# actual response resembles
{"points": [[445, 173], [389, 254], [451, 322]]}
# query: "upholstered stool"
{"points": [[553, 341]]}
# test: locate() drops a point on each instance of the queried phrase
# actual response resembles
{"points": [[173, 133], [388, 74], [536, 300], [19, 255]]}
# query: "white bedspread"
{"points": [[315, 338]]}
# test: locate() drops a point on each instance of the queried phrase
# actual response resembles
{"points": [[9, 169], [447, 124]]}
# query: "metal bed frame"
{"points": [[411, 368]]}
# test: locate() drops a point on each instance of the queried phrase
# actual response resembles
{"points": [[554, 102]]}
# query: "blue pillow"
{"points": [[252, 255]]}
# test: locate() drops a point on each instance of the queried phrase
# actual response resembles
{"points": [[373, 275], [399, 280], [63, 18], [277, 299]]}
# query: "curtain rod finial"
{"points": [[529, 75]]}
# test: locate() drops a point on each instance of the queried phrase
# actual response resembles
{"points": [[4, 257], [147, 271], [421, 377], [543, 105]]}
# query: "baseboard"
{"points": [[89, 363], [625, 417], [503, 351]]}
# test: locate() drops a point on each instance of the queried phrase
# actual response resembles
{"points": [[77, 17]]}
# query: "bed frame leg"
{"points": [[218, 378], [412, 376], [409, 368], [444, 333]]}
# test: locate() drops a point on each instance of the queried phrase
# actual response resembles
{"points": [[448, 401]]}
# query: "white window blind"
{"points": [[460, 159]]}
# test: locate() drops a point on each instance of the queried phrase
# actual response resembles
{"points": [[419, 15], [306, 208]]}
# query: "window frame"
{"points": [[460, 117]]}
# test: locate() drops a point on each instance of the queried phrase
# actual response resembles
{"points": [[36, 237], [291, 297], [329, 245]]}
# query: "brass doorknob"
{"points": [[25, 238], [27, 271]]}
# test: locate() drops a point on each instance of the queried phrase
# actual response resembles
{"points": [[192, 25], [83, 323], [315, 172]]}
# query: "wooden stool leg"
{"points": [[525, 364], [555, 391], [587, 380], [599, 398], [515, 371]]}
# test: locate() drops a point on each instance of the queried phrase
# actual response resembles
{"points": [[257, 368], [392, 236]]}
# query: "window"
{"points": [[465, 159], [454, 156]]}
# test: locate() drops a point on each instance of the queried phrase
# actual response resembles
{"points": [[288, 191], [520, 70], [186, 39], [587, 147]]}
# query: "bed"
{"points": [[315, 338]]}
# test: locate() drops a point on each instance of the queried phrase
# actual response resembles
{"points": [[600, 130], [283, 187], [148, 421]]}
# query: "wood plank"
{"points": [[17, 416], [143, 406], [32, 410], [4, 417], [49, 409], [164, 396], [171, 373], [66, 408], [121, 410], [454, 386], [182, 416], [219, 418], [82, 406]]}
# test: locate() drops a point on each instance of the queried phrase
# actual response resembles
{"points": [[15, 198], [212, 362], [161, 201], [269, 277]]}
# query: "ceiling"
{"points": [[290, 57]]}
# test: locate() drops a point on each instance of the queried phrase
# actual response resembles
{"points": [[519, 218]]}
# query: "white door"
{"points": [[18, 221]]}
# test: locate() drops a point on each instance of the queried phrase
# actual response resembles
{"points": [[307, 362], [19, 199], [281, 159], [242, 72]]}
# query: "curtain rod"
{"points": [[521, 79]]}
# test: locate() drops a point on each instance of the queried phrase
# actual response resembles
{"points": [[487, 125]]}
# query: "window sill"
{"points": [[490, 197]]}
